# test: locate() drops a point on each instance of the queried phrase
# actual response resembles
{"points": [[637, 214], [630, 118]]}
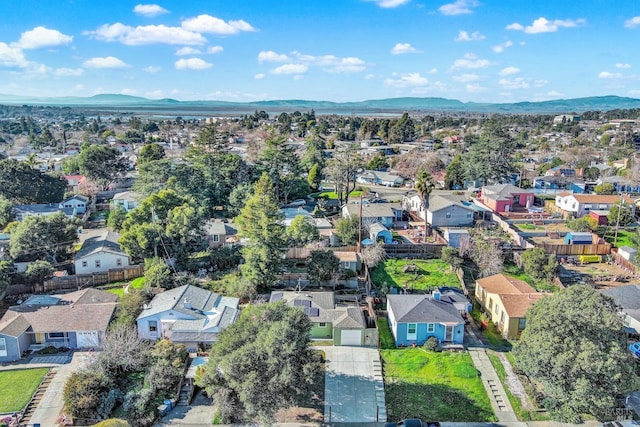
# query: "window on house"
{"points": [[216, 238], [522, 323], [412, 331], [97, 263], [448, 215], [153, 326], [119, 262], [502, 317], [322, 325], [496, 309], [490, 304], [84, 263], [431, 328], [3, 347], [469, 215], [347, 264], [56, 334]]}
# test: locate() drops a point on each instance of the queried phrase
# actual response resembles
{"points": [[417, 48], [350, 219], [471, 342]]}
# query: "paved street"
{"points": [[354, 388]]}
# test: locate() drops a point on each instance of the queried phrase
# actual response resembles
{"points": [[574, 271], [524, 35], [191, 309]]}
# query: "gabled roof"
{"points": [[346, 256], [627, 297], [501, 284], [85, 310], [198, 302], [373, 209], [129, 195], [80, 197], [502, 191], [350, 317], [14, 326], [105, 242], [317, 305], [442, 201], [608, 199], [383, 176], [422, 309], [40, 209], [516, 305]]}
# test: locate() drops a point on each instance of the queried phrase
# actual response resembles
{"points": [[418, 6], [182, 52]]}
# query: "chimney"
{"points": [[436, 295], [186, 303]]}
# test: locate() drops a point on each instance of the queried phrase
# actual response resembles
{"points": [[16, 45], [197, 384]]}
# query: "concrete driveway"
{"points": [[354, 388]]}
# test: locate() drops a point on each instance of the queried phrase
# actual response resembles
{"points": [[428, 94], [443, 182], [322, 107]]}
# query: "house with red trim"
{"points": [[506, 197]]}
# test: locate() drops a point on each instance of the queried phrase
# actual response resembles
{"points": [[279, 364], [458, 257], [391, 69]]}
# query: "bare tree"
{"points": [[374, 254], [122, 350], [342, 170]]}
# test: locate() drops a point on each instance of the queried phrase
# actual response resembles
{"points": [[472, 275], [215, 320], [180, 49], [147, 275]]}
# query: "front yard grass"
{"points": [[625, 237], [434, 386], [428, 274], [118, 287], [17, 386]]}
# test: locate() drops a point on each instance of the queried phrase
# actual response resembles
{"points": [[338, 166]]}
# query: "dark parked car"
{"points": [[409, 422]]}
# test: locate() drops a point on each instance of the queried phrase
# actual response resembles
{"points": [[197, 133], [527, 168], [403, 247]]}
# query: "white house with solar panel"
{"points": [[343, 323], [187, 315]]}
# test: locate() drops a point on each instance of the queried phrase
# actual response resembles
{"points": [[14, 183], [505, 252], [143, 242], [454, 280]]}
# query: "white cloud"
{"points": [[470, 61], [214, 49], [149, 10], [259, 76], [11, 56], [554, 94], [634, 92], [515, 83], [608, 75], [389, 4], [151, 69], [271, 56], [290, 69], [433, 71], [543, 25], [466, 78], [501, 47], [105, 62], [464, 36], [184, 51], [213, 25], [623, 66], [507, 71], [370, 76], [475, 88], [406, 80], [68, 72], [146, 34], [192, 64], [633, 22], [42, 37], [459, 7], [401, 48]]}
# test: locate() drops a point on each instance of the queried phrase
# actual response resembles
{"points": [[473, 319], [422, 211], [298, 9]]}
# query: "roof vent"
{"points": [[187, 304]]}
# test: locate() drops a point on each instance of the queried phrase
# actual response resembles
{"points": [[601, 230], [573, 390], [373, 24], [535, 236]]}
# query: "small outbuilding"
{"points": [[378, 231], [601, 216], [578, 238], [627, 252]]}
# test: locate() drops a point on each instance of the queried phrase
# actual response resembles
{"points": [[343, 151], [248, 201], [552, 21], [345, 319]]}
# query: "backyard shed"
{"points": [[378, 231], [578, 238], [601, 216], [627, 252]]}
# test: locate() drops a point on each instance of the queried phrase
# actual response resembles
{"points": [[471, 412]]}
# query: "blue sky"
{"points": [[334, 50]]}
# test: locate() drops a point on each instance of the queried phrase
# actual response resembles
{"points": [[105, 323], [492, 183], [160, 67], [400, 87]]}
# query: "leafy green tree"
{"points": [[263, 360], [6, 271], [451, 256], [260, 222], [84, 394], [585, 223], [348, 230], [315, 177], [424, 186], [39, 271], [238, 197], [538, 264], [280, 162], [22, 184], [6, 212], [102, 164], [153, 176], [116, 218], [302, 231], [575, 347], [157, 274], [621, 214], [151, 152], [378, 162], [50, 237], [605, 188], [454, 177], [322, 265], [490, 159]]}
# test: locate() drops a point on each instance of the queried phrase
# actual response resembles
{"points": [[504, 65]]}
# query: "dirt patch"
{"points": [[297, 414], [600, 275]]}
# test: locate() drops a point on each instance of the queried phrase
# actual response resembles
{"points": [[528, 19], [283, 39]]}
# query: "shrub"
{"points": [[432, 344]]}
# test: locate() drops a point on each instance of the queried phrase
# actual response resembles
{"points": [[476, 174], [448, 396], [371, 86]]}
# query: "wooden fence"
{"points": [[85, 280], [594, 249], [304, 253], [418, 250], [623, 263]]}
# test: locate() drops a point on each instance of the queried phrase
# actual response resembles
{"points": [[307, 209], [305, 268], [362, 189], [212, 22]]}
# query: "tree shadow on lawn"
{"points": [[433, 402]]}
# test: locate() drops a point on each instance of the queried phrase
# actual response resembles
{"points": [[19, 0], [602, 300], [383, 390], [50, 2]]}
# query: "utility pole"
{"points": [[615, 238], [359, 246]]}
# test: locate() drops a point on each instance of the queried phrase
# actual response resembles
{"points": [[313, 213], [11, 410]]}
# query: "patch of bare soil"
{"points": [[600, 275]]}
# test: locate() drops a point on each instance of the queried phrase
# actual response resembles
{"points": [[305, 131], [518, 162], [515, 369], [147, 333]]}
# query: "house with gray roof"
{"points": [[383, 213], [74, 320], [379, 178], [100, 253], [341, 322], [187, 315], [415, 318], [627, 299], [128, 200], [45, 209], [448, 209]]}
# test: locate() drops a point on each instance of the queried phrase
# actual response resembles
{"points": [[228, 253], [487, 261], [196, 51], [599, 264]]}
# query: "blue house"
{"points": [[415, 318]]}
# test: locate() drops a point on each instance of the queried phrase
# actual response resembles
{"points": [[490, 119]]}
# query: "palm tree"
{"points": [[424, 186]]}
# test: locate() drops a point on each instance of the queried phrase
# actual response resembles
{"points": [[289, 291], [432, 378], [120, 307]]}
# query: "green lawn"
{"points": [[334, 195], [624, 237], [384, 332], [428, 274], [434, 386], [118, 287], [17, 386], [493, 336]]}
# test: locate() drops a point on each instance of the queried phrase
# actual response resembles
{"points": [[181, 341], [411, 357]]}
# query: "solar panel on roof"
{"points": [[301, 303], [312, 311]]}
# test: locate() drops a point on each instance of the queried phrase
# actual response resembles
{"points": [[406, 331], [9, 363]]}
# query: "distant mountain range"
{"points": [[370, 107]]}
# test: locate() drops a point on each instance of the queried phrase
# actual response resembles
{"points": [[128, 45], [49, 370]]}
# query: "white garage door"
{"points": [[351, 337], [88, 339]]}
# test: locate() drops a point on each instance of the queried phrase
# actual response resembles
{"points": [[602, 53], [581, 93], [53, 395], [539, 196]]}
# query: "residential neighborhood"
{"points": [[201, 260]]}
